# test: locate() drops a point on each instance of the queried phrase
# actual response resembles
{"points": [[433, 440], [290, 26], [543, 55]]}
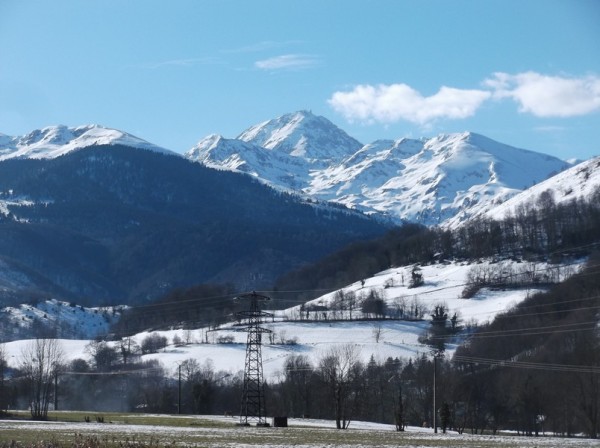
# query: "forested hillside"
{"points": [[537, 362], [539, 230], [111, 224]]}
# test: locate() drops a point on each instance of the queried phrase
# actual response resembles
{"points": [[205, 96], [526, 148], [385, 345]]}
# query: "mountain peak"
{"points": [[209, 141], [302, 134]]}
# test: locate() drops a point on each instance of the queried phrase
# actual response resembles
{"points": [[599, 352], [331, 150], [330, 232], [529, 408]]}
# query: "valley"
{"points": [[129, 257]]}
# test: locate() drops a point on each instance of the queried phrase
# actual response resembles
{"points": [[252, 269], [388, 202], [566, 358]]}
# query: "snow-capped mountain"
{"points": [[433, 181], [304, 135], [282, 152], [278, 169], [54, 141]]}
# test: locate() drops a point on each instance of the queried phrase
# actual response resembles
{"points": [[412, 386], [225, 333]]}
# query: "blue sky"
{"points": [[526, 73]]}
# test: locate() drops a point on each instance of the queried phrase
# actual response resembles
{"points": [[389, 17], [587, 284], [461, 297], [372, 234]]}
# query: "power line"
{"points": [[116, 372], [528, 364], [220, 298]]}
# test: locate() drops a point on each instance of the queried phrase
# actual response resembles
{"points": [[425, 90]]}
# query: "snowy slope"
{"points": [[580, 181], [53, 316], [55, 141], [275, 168], [444, 284], [445, 179]]}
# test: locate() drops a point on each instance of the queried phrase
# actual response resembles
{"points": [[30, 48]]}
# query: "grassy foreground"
{"points": [[113, 430]]}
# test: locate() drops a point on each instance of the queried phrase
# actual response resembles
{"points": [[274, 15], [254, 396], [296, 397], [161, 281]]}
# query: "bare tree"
{"points": [[40, 364], [3, 366], [128, 349], [377, 332], [337, 369], [188, 337]]}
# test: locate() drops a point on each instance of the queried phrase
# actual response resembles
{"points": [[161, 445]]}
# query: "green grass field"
{"points": [[70, 430]]}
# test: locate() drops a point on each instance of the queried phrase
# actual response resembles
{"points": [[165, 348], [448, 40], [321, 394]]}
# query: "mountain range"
{"points": [[101, 216], [437, 181]]}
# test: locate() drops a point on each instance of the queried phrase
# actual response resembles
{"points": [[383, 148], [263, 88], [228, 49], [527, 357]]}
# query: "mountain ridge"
{"points": [[55, 141], [443, 180]]}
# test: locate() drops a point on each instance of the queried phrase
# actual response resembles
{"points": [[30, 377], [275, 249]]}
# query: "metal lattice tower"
{"points": [[253, 399]]}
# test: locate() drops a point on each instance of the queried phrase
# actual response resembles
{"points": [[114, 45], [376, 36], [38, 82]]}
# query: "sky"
{"points": [[523, 72]]}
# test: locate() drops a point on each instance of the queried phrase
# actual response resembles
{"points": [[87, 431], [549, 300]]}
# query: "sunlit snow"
{"points": [[444, 284]]}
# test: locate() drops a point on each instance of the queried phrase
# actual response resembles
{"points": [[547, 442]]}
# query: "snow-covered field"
{"points": [[444, 284]]}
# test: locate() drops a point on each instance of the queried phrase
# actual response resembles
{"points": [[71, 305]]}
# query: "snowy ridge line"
{"points": [[575, 183], [55, 141]]}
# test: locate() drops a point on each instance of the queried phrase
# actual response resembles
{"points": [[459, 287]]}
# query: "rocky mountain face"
{"points": [[438, 181], [113, 220]]}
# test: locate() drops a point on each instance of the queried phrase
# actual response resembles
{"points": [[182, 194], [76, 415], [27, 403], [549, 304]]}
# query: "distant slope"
{"points": [[55, 141], [579, 182]]}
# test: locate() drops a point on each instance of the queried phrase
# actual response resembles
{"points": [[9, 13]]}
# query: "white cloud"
{"points": [[395, 102], [287, 61], [537, 94], [548, 96]]}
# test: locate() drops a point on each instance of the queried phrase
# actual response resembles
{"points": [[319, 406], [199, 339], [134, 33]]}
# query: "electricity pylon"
{"points": [[253, 399]]}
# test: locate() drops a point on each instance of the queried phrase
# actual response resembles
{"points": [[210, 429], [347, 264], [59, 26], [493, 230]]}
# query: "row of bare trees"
{"points": [[370, 304], [470, 396]]}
